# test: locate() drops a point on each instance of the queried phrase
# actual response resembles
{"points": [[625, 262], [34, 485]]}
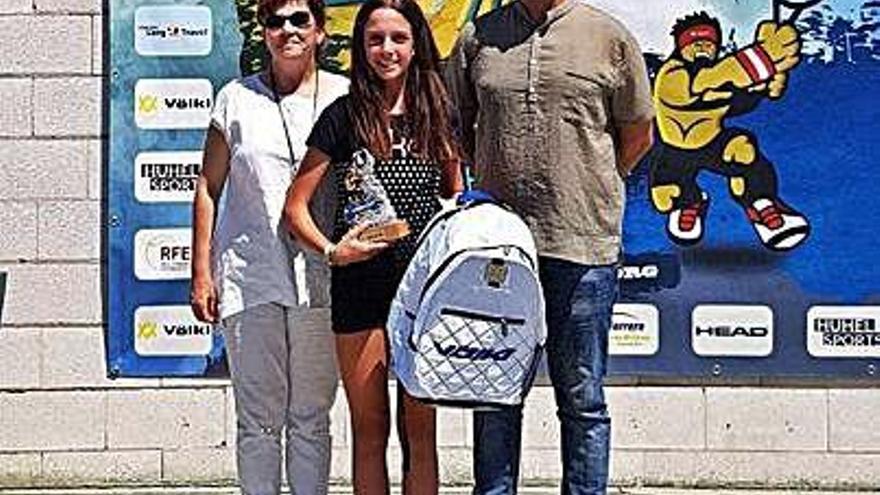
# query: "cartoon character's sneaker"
{"points": [[779, 227], [685, 225]]}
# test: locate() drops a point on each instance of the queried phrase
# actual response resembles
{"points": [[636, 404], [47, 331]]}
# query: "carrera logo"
{"points": [[173, 103], [635, 330], [843, 331], [170, 331], [166, 177], [732, 330], [173, 30], [473, 353], [162, 254]]}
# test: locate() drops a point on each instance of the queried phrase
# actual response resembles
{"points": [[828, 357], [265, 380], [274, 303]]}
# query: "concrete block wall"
{"points": [[62, 422]]}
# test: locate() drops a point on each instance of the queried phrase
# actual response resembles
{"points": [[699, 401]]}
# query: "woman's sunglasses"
{"points": [[300, 19]]}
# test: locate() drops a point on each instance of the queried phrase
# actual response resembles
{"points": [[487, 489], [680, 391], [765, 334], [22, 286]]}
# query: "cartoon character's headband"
{"points": [[697, 33]]}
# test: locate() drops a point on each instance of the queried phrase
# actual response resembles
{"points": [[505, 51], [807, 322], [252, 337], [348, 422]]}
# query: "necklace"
{"points": [[281, 111]]}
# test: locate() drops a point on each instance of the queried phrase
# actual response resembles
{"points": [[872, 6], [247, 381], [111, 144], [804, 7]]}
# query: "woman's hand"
{"points": [[353, 250], [203, 299]]}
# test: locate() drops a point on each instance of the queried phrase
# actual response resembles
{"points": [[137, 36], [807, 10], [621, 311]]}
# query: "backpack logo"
{"points": [[473, 353]]}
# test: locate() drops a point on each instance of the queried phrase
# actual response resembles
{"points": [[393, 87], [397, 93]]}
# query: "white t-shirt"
{"points": [[253, 254]]}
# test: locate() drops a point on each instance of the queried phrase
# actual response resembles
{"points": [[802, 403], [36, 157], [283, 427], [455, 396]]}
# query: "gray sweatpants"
{"points": [[283, 368]]}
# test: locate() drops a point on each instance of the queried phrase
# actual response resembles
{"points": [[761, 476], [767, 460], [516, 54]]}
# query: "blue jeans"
{"points": [[579, 305]]}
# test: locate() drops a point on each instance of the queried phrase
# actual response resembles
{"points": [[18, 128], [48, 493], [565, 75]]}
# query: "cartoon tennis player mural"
{"points": [[696, 91]]}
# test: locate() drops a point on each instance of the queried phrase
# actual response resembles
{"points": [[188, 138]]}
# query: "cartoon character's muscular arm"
{"points": [[775, 51]]}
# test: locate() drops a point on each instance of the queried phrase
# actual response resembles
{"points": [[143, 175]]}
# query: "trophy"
{"points": [[368, 202]]}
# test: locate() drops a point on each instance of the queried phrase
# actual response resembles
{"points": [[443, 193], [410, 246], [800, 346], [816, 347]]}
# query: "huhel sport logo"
{"points": [[843, 331], [166, 176]]}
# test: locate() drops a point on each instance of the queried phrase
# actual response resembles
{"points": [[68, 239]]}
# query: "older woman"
{"points": [[283, 369]]}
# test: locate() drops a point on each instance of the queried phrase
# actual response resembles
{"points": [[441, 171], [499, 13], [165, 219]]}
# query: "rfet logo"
{"points": [[162, 254], [166, 176], [170, 331], [172, 30], [843, 331], [173, 103], [732, 330]]}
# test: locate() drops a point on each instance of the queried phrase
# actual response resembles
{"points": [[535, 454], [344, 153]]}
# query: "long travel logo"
{"points": [[173, 103], [173, 30], [170, 331]]}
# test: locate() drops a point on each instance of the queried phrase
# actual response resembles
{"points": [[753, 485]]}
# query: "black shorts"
{"points": [[361, 293]]}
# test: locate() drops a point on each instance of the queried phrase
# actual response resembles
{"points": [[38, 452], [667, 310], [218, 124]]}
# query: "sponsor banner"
{"points": [[635, 330], [173, 103], [172, 30], [649, 272], [843, 331], [162, 254], [732, 330], [166, 176], [170, 331]]}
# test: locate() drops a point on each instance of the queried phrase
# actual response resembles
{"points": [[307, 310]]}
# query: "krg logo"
{"points": [[648, 272], [473, 353], [645, 272]]}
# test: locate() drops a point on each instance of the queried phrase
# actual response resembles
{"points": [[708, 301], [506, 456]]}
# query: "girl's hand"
{"points": [[353, 250], [203, 299]]}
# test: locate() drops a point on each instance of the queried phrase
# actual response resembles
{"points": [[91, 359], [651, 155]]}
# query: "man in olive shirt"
{"points": [[556, 110]]}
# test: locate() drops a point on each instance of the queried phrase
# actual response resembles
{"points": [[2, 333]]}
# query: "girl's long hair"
{"points": [[427, 103]]}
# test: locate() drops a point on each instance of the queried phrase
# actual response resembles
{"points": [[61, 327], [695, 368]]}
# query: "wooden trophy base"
{"points": [[387, 232]]}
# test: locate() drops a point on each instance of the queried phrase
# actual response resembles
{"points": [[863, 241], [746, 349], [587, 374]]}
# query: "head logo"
{"points": [[732, 330]]}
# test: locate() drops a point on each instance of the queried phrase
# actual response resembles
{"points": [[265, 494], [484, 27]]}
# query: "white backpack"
{"points": [[467, 324]]}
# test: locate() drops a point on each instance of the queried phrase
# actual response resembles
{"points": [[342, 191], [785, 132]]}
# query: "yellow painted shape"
{"points": [[740, 150], [662, 196], [737, 186]]}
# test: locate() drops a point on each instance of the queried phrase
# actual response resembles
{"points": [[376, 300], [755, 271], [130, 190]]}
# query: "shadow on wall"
{"points": [[2, 293]]}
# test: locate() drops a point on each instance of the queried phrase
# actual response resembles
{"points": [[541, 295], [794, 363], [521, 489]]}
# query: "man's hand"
{"points": [[782, 44]]}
